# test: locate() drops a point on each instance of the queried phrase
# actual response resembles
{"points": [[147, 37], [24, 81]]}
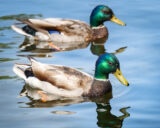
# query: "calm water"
{"points": [[136, 106]]}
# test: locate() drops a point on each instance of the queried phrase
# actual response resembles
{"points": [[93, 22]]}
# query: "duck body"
{"points": [[67, 30], [55, 29], [61, 81]]}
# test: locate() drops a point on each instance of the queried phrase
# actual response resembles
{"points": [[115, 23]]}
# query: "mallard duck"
{"points": [[67, 30], [68, 82]]}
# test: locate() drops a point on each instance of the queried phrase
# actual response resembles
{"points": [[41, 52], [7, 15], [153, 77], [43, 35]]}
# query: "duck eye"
{"points": [[110, 63]]}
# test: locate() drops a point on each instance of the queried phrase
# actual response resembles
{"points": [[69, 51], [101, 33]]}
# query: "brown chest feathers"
{"points": [[99, 88], [100, 32]]}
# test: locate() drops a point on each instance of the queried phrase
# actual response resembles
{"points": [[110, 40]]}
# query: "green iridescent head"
{"points": [[103, 13], [106, 64]]}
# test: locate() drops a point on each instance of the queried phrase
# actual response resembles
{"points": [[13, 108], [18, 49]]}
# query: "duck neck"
{"points": [[101, 76], [95, 23]]}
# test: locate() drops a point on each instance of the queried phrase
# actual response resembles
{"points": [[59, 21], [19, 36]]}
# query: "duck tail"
{"points": [[32, 27], [20, 30], [19, 70], [27, 30]]}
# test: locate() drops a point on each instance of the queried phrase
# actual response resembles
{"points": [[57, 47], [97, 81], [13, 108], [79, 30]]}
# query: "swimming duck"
{"points": [[67, 30], [63, 81]]}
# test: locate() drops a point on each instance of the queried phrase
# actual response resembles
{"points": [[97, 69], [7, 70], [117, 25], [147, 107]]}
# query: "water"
{"points": [[136, 106]]}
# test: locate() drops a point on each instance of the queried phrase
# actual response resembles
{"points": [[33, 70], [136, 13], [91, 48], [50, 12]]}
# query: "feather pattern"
{"points": [[69, 30], [61, 81]]}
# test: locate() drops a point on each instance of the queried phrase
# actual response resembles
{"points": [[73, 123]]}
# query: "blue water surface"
{"points": [[136, 106]]}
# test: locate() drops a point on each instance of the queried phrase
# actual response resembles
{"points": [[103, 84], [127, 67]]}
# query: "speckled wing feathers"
{"points": [[67, 26], [61, 76]]}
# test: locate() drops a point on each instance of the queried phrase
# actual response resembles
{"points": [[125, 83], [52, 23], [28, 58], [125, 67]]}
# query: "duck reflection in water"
{"points": [[104, 116], [41, 49], [98, 48], [37, 45], [107, 120]]}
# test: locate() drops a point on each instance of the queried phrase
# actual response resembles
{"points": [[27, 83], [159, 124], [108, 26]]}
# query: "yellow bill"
{"points": [[117, 21], [120, 77]]}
